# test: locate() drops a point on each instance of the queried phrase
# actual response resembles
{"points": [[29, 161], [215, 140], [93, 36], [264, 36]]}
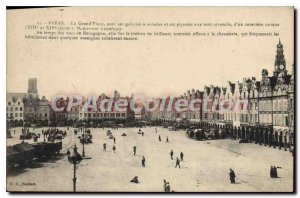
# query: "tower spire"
{"points": [[280, 64]]}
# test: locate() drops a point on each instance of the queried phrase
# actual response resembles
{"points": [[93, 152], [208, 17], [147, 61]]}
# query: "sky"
{"points": [[153, 66]]}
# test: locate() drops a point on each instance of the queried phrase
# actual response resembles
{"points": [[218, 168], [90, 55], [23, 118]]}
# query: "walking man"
{"points": [[232, 176], [114, 140], [159, 138], [181, 156], [143, 161], [272, 172], [114, 148], [134, 150], [171, 154], [167, 140], [177, 162], [104, 147], [68, 152]]}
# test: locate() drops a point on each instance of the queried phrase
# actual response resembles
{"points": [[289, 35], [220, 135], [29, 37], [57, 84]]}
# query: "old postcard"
{"points": [[150, 99]]}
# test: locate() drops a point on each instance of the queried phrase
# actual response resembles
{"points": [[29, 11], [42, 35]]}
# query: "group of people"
{"points": [[114, 148], [159, 139], [141, 132], [177, 159], [53, 133]]}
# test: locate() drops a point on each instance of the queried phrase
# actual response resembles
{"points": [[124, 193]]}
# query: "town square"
{"points": [[205, 166]]}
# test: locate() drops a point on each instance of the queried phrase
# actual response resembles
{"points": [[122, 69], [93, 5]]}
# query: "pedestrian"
{"points": [[134, 150], [143, 161], [142, 133], [171, 154], [114, 148], [272, 172], [155, 130], [166, 186], [275, 172], [159, 138], [114, 140], [14, 132], [177, 162], [167, 140], [104, 147], [181, 156], [232, 176]]}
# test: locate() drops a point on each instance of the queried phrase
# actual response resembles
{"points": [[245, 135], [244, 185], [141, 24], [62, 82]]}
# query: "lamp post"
{"points": [[83, 141], [74, 158]]}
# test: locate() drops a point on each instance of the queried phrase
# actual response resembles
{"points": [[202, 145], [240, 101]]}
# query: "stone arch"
{"points": [[280, 139], [239, 132]]}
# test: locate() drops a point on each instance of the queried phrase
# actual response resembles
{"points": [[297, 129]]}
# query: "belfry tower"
{"points": [[280, 64]]}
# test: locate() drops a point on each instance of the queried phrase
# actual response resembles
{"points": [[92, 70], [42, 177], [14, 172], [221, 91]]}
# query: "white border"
{"points": [[3, 5]]}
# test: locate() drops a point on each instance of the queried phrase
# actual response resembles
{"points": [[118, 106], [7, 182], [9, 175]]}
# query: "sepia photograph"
{"points": [[150, 99]]}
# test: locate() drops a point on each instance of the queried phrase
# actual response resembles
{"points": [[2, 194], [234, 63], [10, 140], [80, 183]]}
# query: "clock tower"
{"points": [[280, 64]]}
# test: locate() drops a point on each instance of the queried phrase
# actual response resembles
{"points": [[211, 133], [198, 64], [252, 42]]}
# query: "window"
{"points": [[45, 115], [280, 106], [18, 103], [21, 114], [285, 105], [292, 121], [11, 108], [9, 103], [16, 109], [16, 114], [21, 109], [275, 106], [123, 114]]}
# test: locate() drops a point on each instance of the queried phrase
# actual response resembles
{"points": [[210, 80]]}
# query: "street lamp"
{"points": [[83, 141], [74, 158]]}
